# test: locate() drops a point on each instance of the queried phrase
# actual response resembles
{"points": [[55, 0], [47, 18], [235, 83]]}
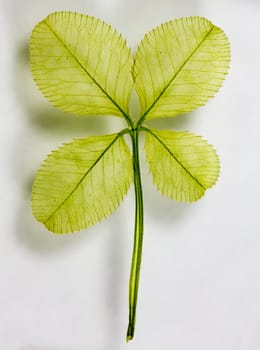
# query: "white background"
{"points": [[200, 278]]}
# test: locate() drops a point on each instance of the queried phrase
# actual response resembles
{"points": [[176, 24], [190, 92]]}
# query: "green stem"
{"points": [[138, 239]]}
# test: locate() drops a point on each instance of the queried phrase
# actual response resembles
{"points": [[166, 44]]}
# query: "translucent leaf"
{"points": [[179, 66], [81, 64], [182, 164], [82, 182]]}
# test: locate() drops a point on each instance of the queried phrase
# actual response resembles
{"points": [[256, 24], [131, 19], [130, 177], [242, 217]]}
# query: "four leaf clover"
{"points": [[83, 66]]}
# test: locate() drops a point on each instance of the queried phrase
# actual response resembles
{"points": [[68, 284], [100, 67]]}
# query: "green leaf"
{"points": [[182, 164], [81, 64], [179, 65], [82, 182]]}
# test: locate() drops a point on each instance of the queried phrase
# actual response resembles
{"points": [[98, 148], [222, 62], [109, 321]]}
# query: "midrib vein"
{"points": [[175, 76], [83, 177], [177, 160], [86, 71]]}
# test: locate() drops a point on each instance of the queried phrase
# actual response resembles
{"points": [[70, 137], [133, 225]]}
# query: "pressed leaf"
{"points": [[183, 165], [179, 65], [82, 182], [81, 64]]}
